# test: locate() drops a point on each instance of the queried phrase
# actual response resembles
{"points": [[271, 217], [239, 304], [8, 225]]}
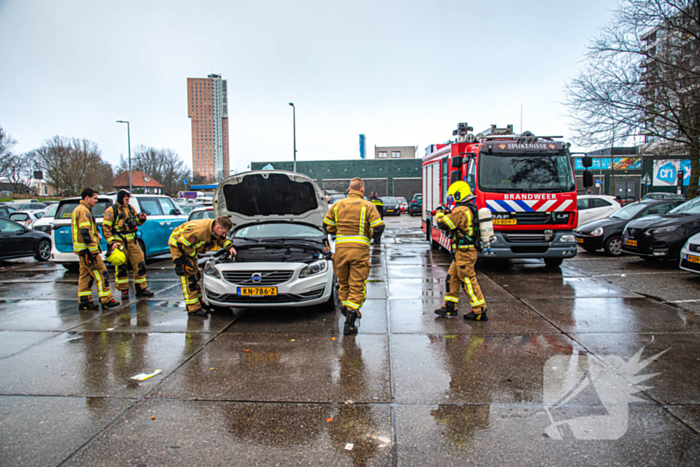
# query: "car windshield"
{"points": [[689, 207], [629, 211], [388, 200], [278, 230], [19, 216], [51, 211], [334, 198], [521, 173]]}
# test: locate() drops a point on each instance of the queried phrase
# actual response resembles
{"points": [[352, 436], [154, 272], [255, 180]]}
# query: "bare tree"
{"points": [[14, 168], [71, 164], [163, 165], [642, 78]]}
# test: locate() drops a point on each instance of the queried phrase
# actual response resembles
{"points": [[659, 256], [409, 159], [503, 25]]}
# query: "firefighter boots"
{"points": [[125, 295], [198, 312], [111, 304], [471, 316], [351, 322], [87, 304], [145, 292], [448, 310]]}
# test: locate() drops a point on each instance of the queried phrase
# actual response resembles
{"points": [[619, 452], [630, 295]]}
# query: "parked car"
{"points": [[403, 206], [188, 208], [391, 206], [607, 233], [336, 197], [163, 217], [5, 211], [283, 254], [202, 213], [46, 221], [690, 255], [416, 204], [36, 206], [26, 218], [662, 195], [594, 207], [662, 236], [18, 241]]}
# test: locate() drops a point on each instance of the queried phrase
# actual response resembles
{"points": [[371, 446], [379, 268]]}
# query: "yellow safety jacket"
{"points": [[352, 220], [115, 226], [196, 237], [461, 223], [84, 231]]}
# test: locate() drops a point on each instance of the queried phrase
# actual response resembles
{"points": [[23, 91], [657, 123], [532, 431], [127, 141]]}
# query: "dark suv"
{"points": [[415, 206]]}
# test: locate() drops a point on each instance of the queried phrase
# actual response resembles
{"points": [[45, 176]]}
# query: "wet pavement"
{"points": [[556, 376]]}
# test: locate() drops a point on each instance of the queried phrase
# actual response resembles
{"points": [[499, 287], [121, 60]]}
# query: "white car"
{"points": [[44, 224], [690, 255], [283, 254], [26, 218], [594, 207]]}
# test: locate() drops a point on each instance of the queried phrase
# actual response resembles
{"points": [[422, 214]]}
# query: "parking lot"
{"points": [[285, 387]]}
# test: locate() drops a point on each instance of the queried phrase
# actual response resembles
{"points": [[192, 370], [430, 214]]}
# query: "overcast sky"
{"points": [[401, 72]]}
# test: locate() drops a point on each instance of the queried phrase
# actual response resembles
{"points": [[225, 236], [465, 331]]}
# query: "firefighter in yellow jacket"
{"points": [[353, 221], [86, 244], [119, 226], [461, 224], [186, 242]]}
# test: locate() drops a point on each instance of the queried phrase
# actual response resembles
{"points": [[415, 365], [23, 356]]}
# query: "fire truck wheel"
{"points": [[553, 262]]}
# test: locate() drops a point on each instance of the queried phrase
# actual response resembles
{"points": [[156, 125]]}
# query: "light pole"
{"points": [[128, 138], [294, 127]]}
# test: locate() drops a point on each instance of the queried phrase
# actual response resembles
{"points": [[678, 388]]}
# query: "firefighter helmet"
{"points": [[460, 192], [115, 255]]}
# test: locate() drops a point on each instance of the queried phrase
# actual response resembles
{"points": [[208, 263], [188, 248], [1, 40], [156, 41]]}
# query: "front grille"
{"points": [[694, 247], [267, 277], [281, 298], [529, 249], [632, 232], [524, 238], [532, 217]]}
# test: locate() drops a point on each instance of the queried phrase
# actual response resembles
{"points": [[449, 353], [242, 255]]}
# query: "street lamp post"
{"points": [[294, 127], [128, 138]]}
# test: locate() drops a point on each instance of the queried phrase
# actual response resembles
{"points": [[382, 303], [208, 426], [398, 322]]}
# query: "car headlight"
{"points": [[597, 232], [314, 268], [567, 238], [661, 230], [210, 270]]}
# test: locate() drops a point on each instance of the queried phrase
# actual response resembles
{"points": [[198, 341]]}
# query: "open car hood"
{"points": [[270, 195]]}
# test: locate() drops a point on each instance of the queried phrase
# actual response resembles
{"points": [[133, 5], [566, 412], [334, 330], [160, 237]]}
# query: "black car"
{"points": [[607, 233], [415, 206], [664, 235], [392, 206], [16, 241], [663, 196]]}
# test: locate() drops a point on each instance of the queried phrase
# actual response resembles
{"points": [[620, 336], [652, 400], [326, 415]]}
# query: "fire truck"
{"points": [[526, 181]]}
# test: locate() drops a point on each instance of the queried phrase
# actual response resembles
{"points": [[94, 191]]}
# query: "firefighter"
{"points": [[119, 227], [186, 242], [379, 204], [460, 223], [86, 244], [352, 220]]}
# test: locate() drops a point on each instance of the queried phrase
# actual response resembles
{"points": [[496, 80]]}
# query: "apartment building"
{"points": [[207, 109]]}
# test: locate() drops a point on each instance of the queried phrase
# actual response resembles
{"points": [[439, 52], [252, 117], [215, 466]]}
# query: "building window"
{"points": [[395, 155], [382, 154]]}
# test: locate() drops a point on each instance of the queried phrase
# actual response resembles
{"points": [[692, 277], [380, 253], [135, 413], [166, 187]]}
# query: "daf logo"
{"points": [[256, 278]]}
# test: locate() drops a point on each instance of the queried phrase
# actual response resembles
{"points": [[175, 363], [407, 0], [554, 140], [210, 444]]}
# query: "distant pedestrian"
{"points": [[379, 204], [353, 220]]}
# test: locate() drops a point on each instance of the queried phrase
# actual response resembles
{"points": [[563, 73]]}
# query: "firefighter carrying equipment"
{"points": [[185, 243], [115, 255], [119, 226]]}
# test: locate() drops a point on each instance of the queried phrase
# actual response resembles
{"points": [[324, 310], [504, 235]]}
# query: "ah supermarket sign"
{"points": [[666, 172], [621, 163]]}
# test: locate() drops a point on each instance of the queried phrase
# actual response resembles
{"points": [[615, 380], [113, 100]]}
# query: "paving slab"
{"points": [[38, 431], [292, 367], [308, 320], [472, 368], [196, 433], [559, 287], [412, 271], [498, 435], [506, 316], [614, 315], [43, 315], [96, 363], [12, 342]]}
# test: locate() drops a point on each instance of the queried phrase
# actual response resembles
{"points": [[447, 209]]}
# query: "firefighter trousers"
{"points": [[462, 275], [189, 282], [351, 266], [134, 256], [96, 273]]}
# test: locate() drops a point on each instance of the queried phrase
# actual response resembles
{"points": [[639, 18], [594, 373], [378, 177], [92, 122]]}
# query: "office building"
{"points": [[395, 152], [208, 111]]}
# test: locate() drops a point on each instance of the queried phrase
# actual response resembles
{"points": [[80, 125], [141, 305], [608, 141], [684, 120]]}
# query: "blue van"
{"points": [[163, 217]]}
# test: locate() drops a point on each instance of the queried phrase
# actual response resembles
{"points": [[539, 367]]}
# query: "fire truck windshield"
{"points": [[520, 173]]}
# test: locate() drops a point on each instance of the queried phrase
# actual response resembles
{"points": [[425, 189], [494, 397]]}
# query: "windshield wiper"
{"points": [[247, 239]]}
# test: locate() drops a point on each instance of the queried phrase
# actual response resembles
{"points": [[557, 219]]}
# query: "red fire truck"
{"points": [[526, 181]]}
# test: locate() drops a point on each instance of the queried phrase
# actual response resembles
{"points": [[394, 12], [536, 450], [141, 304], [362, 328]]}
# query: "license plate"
{"points": [[505, 221], [694, 259], [257, 291], [578, 239], [630, 242], [390, 210]]}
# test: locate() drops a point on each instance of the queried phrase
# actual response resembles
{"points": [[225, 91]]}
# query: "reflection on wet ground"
{"points": [[283, 386]]}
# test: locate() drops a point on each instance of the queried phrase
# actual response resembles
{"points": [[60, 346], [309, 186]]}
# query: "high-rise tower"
{"points": [[207, 108]]}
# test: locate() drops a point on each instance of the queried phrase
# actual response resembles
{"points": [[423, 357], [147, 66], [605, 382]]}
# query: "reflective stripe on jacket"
{"points": [[114, 226], [197, 237], [461, 223], [352, 220], [84, 231]]}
